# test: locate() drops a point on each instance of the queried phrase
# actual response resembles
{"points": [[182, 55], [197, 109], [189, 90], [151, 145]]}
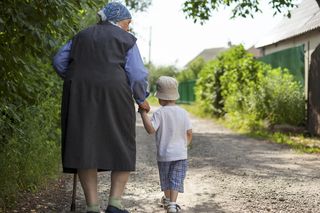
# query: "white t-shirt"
{"points": [[171, 124]]}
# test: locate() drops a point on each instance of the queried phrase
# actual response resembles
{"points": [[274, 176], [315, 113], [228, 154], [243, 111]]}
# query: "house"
{"points": [[295, 43], [255, 51], [209, 54], [294, 37], [212, 53]]}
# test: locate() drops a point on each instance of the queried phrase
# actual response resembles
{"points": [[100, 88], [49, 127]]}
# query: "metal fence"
{"points": [[291, 58], [187, 93]]}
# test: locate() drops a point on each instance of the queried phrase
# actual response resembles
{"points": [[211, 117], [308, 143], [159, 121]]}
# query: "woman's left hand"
{"points": [[145, 105]]}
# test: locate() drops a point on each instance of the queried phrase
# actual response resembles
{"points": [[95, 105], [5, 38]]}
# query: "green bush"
{"points": [[237, 86], [208, 89], [282, 97], [222, 78], [31, 156], [238, 78], [156, 72], [192, 71]]}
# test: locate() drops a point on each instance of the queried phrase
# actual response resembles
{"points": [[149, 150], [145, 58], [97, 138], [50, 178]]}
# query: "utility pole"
{"points": [[150, 36]]}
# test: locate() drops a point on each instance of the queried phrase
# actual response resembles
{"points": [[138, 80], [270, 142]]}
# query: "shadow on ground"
{"points": [[239, 155]]}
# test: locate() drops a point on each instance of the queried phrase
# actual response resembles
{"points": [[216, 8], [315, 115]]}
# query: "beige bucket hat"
{"points": [[167, 88]]}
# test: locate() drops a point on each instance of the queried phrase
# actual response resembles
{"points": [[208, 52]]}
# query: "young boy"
{"points": [[173, 133]]}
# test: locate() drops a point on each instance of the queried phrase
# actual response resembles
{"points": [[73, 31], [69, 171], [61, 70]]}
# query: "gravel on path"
{"points": [[227, 172]]}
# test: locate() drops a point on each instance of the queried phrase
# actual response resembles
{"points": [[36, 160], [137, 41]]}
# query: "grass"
{"points": [[153, 100], [298, 142], [194, 109]]}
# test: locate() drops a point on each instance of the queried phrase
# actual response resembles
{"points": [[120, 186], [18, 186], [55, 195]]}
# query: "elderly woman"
{"points": [[103, 75]]}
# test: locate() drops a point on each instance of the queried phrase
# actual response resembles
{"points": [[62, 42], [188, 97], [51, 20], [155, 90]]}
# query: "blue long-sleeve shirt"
{"points": [[134, 68]]}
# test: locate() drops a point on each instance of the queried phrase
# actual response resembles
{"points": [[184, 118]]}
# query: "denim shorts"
{"points": [[172, 175]]}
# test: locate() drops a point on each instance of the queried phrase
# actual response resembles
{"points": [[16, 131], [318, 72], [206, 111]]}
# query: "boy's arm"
{"points": [[189, 136], [146, 122]]}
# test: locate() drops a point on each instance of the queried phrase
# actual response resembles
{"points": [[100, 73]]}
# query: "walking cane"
{"points": [[74, 193]]}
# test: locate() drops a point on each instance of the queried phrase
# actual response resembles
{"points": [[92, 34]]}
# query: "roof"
{"points": [[304, 18], [209, 54], [255, 52]]}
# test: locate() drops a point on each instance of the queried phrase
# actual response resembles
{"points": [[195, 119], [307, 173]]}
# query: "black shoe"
{"points": [[112, 209]]}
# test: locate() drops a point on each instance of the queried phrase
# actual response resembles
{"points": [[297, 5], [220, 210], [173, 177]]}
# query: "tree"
{"points": [[34, 30], [30, 33], [192, 71], [201, 10], [156, 72]]}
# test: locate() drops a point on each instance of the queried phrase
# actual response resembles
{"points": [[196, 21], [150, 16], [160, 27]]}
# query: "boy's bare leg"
{"points": [[173, 195], [88, 180], [167, 193]]}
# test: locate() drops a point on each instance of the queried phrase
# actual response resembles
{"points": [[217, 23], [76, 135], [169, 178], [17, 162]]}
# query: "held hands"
{"points": [[144, 106]]}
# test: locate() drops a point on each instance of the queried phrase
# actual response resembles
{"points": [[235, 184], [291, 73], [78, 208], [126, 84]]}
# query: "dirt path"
{"points": [[227, 173]]}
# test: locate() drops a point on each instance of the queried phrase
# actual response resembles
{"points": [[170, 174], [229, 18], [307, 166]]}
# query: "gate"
{"points": [[313, 120], [186, 90]]}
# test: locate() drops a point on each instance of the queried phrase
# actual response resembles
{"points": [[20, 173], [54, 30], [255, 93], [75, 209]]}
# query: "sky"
{"points": [[175, 39]]}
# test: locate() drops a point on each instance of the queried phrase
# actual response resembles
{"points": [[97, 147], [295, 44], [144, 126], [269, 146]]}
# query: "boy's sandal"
{"points": [[164, 202], [173, 208]]}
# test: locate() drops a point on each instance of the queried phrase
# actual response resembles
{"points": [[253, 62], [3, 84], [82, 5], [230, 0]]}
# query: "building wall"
{"points": [[310, 41]]}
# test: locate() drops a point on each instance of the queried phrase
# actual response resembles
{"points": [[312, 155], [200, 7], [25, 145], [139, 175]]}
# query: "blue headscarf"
{"points": [[114, 12]]}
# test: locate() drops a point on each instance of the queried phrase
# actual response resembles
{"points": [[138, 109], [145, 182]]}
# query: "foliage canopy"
{"points": [[30, 33], [202, 10]]}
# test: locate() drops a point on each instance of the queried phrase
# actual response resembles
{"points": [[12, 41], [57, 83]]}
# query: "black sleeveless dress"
{"points": [[98, 114]]}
